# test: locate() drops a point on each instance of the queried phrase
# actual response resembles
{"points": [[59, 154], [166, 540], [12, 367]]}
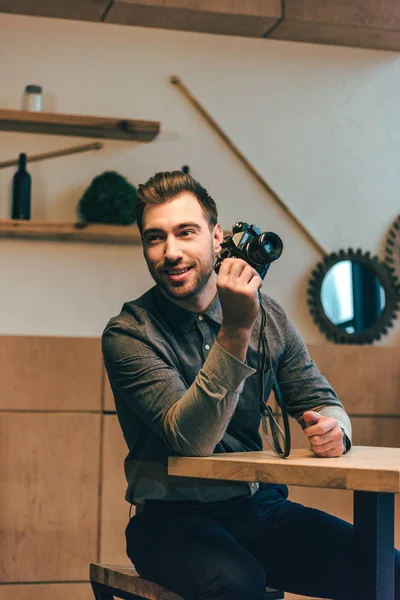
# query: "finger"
{"points": [[324, 425], [334, 452], [236, 269], [255, 283], [334, 435], [325, 453], [327, 441], [242, 270], [226, 267], [323, 445], [230, 269], [248, 274], [311, 417]]}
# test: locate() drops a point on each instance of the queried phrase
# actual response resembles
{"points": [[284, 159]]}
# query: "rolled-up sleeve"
{"points": [[190, 419]]}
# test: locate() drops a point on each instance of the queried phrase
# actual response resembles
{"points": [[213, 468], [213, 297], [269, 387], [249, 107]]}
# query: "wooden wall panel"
{"points": [[375, 431], [108, 395], [381, 14], [334, 35], [49, 591], [252, 8], [83, 10], [361, 23], [366, 378], [50, 373], [49, 495], [250, 18], [114, 508]]}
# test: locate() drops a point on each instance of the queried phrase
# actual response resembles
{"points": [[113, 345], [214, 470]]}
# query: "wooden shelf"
{"points": [[81, 126], [74, 232]]}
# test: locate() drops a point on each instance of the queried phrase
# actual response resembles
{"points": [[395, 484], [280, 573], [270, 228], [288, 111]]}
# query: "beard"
{"points": [[182, 290]]}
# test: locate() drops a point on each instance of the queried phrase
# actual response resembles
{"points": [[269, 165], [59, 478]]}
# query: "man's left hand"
{"points": [[324, 434]]}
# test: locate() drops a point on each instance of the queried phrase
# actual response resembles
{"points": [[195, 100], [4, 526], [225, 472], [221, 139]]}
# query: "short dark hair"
{"points": [[166, 185]]}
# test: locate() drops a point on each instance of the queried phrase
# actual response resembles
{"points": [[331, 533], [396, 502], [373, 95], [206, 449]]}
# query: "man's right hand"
{"points": [[238, 284]]}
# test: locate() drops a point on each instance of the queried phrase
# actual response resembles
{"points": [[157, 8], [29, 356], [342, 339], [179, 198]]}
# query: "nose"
{"points": [[172, 250]]}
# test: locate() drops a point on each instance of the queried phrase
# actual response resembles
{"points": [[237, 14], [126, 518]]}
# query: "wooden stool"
{"points": [[110, 582]]}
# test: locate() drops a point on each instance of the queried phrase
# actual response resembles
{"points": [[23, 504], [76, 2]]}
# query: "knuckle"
{"points": [[319, 451], [249, 269]]}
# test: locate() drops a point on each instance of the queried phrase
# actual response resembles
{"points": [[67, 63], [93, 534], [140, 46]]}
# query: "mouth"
{"points": [[177, 275]]}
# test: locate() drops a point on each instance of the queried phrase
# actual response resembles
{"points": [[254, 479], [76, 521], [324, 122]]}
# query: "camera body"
{"points": [[248, 242]]}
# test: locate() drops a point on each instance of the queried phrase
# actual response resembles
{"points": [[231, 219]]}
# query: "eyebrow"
{"points": [[176, 228], [188, 224]]}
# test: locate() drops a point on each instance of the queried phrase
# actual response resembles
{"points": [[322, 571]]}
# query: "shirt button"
{"points": [[201, 317], [207, 346]]}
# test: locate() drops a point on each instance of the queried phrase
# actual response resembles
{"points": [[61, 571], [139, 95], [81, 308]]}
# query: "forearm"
{"points": [[195, 423]]}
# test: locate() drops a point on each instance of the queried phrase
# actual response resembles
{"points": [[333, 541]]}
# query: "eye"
{"points": [[153, 238], [187, 233]]}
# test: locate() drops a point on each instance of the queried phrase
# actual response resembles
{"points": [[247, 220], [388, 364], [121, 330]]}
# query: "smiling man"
{"points": [[179, 248], [182, 363]]}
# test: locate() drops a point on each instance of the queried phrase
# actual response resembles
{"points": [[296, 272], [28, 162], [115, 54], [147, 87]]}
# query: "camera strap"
{"points": [[273, 432]]}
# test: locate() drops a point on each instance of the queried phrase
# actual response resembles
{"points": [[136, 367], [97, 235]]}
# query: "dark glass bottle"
{"points": [[21, 191]]}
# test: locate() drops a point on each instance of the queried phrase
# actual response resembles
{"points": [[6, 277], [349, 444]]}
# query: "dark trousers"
{"points": [[233, 549]]}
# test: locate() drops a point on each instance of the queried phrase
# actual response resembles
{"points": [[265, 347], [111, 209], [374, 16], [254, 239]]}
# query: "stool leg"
{"points": [[100, 594]]}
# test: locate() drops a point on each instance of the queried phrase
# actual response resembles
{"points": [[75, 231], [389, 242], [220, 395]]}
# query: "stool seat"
{"points": [[109, 581]]}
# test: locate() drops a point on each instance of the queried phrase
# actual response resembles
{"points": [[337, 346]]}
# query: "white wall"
{"points": [[320, 123]]}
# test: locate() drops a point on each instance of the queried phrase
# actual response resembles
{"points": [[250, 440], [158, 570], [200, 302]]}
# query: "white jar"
{"points": [[33, 98]]}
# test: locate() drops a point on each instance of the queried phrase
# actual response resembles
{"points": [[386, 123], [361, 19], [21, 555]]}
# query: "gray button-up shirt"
{"points": [[178, 392]]}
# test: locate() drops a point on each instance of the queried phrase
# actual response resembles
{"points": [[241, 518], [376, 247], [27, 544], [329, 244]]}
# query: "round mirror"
{"points": [[353, 297]]}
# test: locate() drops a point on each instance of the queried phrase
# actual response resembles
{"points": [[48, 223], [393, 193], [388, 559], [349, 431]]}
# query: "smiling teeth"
{"points": [[177, 272]]}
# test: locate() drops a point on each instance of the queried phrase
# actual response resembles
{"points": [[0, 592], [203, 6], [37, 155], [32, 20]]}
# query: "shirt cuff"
{"points": [[227, 367], [338, 413]]}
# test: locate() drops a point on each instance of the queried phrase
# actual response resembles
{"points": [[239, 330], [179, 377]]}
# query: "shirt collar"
{"points": [[180, 318]]}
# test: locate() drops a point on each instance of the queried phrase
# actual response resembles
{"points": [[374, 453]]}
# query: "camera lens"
{"points": [[265, 248]]}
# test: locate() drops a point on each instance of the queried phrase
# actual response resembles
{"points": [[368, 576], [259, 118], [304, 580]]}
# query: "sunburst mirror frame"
{"points": [[392, 249], [389, 283]]}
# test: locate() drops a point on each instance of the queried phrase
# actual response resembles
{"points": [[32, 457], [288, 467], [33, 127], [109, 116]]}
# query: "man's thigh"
{"points": [[309, 552], [194, 557]]}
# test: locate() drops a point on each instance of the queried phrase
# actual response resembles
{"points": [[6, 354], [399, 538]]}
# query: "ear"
{"points": [[218, 236]]}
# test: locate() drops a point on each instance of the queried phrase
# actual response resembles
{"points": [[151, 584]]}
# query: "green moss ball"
{"points": [[110, 198]]}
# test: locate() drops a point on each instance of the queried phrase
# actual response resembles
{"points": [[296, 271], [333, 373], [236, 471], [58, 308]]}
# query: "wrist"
{"points": [[346, 441], [235, 341]]}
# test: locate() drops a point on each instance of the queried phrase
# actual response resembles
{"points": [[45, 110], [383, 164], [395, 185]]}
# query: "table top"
{"points": [[365, 468]]}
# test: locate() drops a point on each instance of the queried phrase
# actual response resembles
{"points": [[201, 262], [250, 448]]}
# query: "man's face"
{"points": [[179, 247]]}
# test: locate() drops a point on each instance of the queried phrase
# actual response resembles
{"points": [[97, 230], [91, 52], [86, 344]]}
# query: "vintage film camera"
{"points": [[248, 242]]}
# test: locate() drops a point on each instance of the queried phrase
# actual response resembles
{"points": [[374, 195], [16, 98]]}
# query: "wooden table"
{"points": [[373, 474]]}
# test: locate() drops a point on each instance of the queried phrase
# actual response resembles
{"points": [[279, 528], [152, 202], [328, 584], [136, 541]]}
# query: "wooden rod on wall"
{"points": [[54, 154], [176, 81]]}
